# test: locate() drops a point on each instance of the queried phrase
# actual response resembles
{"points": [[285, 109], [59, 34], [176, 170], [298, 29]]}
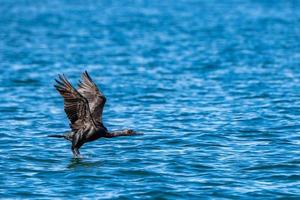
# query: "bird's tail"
{"points": [[57, 136]]}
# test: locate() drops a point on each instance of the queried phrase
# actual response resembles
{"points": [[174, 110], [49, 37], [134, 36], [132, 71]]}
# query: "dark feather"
{"points": [[76, 106], [88, 89]]}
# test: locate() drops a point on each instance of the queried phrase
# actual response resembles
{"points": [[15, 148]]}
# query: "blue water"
{"points": [[213, 85]]}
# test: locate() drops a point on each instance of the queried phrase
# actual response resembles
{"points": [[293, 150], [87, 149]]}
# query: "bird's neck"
{"points": [[116, 133]]}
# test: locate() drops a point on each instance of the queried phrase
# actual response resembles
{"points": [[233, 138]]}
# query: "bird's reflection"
{"points": [[82, 163]]}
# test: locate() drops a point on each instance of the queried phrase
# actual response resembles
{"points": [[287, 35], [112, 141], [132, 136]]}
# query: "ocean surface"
{"points": [[213, 85]]}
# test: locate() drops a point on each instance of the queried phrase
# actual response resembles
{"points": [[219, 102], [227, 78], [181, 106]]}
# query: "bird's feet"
{"points": [[78, 156], [76, 153]]}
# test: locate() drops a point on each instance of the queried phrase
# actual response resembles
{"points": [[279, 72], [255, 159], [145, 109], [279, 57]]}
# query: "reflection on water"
{"points": [[82, 162]]}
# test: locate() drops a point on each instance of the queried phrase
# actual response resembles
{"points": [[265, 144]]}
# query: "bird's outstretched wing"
{"points": [[88, 89], [75, 105]]}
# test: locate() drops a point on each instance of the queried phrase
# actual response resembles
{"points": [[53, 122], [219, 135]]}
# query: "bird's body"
{"points": [[84, 108]]}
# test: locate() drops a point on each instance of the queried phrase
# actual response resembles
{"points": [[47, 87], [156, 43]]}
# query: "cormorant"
{"points": [[84, 107]]}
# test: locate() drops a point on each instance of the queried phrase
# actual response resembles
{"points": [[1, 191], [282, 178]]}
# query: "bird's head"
{"points": [[129, 132]]}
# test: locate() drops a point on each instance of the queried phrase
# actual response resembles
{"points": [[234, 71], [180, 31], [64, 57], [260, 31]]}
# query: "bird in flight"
{"points": [[84, 107]]}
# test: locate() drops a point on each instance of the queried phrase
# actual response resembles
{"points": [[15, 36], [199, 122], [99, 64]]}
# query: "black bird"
{"points": [[84, 108]]}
